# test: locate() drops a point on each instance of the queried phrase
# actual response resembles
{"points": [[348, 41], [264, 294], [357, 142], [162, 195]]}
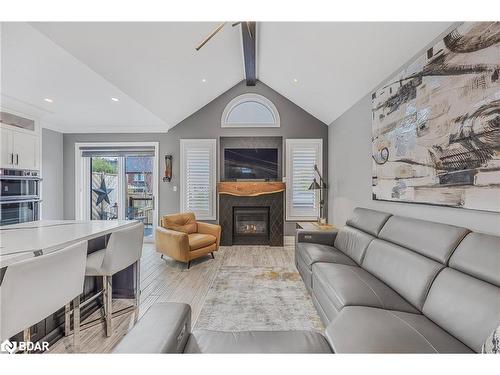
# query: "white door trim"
{"points": [[82, 172]]}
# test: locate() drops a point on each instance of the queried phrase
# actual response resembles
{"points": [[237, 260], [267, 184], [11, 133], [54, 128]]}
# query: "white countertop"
{"points": [[20, 241]]}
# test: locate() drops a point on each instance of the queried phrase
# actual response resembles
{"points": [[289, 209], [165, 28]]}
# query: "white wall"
{"points": [[350, 174], [52, 174]]}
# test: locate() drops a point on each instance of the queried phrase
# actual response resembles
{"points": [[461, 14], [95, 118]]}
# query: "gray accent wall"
{"points": [[350, 171], [205, 123], [52, 174]]}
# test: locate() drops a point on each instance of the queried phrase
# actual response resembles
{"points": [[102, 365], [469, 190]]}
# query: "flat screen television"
{"points": [[251, 164]]}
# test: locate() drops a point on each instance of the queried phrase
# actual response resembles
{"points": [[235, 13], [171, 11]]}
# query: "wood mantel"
{"points": [[250, 189]]}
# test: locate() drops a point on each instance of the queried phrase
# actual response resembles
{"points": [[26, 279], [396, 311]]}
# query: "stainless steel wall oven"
{"points": [[19, 196]]}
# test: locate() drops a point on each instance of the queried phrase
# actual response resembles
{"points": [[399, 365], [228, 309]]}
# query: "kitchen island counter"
{"points": [[38, 238], [21, 241]]}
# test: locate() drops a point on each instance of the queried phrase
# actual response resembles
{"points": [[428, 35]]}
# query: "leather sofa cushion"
{"points": [[185, 222], [257, 342], [313, 253], [353, 242], [198, 240], [369, 221], [322, 295], [464, 306], [371, 330], [164, 328], [434, 240], [304, 271], [353, 286], [407, 272], [478, 255]]}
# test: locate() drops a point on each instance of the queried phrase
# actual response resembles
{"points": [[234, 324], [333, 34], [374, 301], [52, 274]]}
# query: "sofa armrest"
{"points": [[320, 237], [165, 328], [213, 229], [172, 243]]}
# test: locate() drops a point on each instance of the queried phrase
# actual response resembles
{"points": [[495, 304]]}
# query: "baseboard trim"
{"points": [[288, 240]]}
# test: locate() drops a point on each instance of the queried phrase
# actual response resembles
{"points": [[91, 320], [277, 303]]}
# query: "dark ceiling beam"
{"points": [[249, 37]]}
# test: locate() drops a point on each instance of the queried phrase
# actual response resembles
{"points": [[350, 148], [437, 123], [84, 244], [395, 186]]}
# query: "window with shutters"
{"points": [[301, 156], [198, 177]]}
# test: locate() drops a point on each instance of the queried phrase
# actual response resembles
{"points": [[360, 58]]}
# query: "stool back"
{"points": [[34, 288], [124, 249]]}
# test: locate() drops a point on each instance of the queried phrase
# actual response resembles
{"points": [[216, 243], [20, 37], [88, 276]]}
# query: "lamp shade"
{"points": [[314, 185]]}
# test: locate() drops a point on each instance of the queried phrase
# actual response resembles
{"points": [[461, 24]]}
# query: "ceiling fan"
{"points": [[247, 24], [248, 38]]}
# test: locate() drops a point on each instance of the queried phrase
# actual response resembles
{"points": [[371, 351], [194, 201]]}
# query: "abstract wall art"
{"points": [[436, 124]]}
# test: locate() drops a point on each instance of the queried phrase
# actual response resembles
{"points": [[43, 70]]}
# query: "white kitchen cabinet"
{"points": [[20, 148], [25, 149], [6, 148]]}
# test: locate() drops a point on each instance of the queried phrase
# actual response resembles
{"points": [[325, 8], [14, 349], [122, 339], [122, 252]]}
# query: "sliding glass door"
{"points": [[117, 183], [106, 185], [139, 198]]}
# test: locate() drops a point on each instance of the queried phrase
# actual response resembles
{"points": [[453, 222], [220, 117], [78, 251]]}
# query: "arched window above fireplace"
{"points": [[250, 111]]}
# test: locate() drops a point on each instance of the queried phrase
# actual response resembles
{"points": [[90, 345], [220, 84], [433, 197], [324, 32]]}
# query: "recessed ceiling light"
{"points": [[203, 80], [48, 100], [295, 80], [115, 99]]}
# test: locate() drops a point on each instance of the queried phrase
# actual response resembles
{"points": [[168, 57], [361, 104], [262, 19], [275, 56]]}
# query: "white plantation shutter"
{"points": [[198, 175], [302, 155]]}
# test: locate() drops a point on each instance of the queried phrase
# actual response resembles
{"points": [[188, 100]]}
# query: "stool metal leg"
{"points": [[27, 338], [76, 324], [67, 322], [108, 309], [137, 289]]}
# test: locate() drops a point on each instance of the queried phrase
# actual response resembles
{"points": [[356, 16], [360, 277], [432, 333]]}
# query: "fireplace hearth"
{"points": [[253, 219], [251, 225]]}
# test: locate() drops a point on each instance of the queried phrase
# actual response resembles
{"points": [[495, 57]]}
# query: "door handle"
{"points": [[12, 158], [17, 159]]}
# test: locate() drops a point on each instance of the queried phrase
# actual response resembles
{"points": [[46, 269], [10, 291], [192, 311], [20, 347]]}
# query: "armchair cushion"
{"points": [[184, 222], [199, 240]]}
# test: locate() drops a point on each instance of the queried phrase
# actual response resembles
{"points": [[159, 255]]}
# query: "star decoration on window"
{"points": [[102, 193]]}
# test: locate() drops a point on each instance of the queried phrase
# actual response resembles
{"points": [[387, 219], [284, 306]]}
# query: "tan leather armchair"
{"points": [[183, 238]]}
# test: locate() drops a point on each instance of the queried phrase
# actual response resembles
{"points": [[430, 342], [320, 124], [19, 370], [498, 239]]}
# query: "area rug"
{"points": [[258, 298]]}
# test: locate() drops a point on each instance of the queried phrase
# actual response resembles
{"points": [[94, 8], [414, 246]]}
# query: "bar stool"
{"points": [[124, 248], [34, 288]]}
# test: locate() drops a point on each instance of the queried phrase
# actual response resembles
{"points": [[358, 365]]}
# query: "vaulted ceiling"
{"points": [[159, 79]]}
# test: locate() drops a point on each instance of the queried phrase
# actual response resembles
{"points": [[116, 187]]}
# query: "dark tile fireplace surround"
{"points": [[251, 220], [246, 206]]}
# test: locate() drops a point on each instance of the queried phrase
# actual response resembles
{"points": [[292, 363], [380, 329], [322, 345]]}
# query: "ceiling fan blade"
{"points": [[210, 36]]}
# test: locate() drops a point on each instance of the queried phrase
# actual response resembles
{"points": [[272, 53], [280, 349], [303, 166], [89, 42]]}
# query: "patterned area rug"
{"points": [[258, 298]]}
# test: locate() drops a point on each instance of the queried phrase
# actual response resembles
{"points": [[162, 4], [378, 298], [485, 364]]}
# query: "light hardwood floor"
{"points": [[164, 280]]}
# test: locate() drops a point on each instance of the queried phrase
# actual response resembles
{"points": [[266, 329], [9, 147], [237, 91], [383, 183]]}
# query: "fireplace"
{"points": [[251, 213], [251, 225]]}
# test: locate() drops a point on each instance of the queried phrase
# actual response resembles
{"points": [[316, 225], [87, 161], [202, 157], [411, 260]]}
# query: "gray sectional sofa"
{"points": [[381, 284], [385, 283]]}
